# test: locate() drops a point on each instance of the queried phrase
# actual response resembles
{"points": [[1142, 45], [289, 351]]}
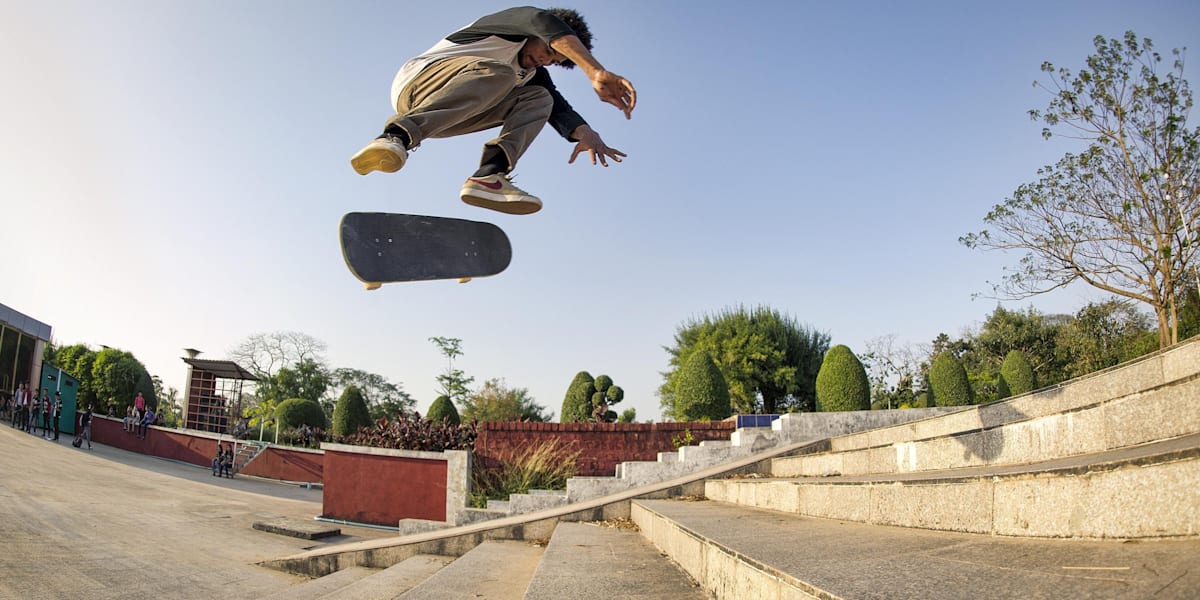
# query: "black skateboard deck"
{"points": [[386, 247]]}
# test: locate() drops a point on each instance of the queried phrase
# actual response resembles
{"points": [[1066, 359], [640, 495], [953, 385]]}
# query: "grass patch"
{"points": [[544, 466]]}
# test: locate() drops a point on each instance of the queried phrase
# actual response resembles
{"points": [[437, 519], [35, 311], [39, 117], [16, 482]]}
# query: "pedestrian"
{"points": [[490, 74], [18, 416], [47, 416], [57, 414], [35, 411], [85, 426]]}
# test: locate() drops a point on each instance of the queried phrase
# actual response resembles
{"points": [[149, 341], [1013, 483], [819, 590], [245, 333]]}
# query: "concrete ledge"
{"points": [[737, 552], [308, 530], [383, 553], [1159, 413], [1151, 491]]}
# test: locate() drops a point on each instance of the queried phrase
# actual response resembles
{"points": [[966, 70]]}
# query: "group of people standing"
{"points": [[43, 415]]}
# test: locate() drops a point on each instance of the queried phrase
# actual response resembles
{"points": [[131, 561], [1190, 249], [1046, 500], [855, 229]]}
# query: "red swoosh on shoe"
{"points": [[488, 184]]}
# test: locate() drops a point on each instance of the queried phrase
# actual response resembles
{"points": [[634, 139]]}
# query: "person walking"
{"points": [[85, 426], [490, 74]]}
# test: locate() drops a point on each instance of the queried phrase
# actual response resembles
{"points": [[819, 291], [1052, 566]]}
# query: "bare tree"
{"points": [[1121, 216], [265, 353]]}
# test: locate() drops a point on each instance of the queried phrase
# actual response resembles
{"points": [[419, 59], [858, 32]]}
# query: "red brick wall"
{"points": [[603, 445], [368, 488]]}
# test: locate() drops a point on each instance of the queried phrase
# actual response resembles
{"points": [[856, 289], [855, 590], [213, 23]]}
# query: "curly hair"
{"points": [[575, 21]]}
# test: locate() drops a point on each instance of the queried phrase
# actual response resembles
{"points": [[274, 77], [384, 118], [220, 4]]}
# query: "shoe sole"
{"points": [[511, 207], [376, 159]]}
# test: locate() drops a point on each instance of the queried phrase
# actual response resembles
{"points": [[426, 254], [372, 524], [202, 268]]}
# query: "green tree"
{"points": [[442, 410], [1120, 215], [948, 384], [455, 384], [701, 393], [768, 359], [382, 396], [77, 359], [117, 377], [842, 382], [577, 404], [308, 379], [294, 412], [1103, 334], [628, 415], [350, 413], [1016, 375], [498, 402], [1189, 313]]}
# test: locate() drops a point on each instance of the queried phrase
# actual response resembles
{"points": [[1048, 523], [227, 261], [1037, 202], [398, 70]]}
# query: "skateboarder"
{"points": [[493, 73]]}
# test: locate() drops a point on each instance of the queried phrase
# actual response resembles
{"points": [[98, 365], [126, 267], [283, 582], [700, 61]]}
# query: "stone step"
{"points": [[736, 552], [392, 581], [496, 570], [590, 560], [1012, 438], [319, 587], [1148, 491]]}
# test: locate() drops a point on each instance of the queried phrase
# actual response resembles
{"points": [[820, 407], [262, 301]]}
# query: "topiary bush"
{"points": [[294, 412], [350, 413], [701, 393], [577, 404], [1016, 375], [842, 382], [948, 383], [442, 410]]}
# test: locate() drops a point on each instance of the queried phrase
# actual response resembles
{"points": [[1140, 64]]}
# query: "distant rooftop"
{"points": [[24, 323], [224, 369]]}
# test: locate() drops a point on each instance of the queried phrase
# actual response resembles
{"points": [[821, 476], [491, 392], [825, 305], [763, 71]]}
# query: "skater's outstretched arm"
{"points": [[609, 86]]}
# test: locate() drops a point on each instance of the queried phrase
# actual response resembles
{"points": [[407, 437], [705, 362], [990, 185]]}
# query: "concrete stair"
{"points": [[246, 451], [1086, 490]]}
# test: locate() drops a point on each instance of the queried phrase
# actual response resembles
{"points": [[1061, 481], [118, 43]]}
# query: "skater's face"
{"points": [[536, 53]]}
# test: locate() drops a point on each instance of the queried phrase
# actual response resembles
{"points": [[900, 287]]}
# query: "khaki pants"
{"points": [[466, 94]]}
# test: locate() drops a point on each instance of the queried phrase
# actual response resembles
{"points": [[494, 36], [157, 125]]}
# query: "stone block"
{"points": [[965, 507]]}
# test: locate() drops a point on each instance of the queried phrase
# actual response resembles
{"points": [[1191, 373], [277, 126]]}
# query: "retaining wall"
{"points": [[602, 445]]}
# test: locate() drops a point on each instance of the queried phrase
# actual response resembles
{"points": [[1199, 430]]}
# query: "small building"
{"points": [[214, 394], [22, 341]]}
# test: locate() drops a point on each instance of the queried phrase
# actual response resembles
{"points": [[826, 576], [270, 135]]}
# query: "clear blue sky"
{"points": [[172, 174]]}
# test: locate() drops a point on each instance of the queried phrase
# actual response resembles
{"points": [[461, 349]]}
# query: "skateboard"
{"points": [[384, 248]]}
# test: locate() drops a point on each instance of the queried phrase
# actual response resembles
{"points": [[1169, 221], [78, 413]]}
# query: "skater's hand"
{"points": [[590, 142], [615, 90]]}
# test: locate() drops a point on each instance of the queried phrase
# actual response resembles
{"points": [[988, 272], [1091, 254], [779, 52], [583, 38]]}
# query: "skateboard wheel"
{"points": [[373, 286], [464, 279]]}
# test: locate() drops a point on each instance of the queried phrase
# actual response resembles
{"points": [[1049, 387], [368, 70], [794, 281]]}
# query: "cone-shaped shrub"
{"points": [[948, 382], [1016, 375], [443, 409], [350, 412], [701, 393], [842, 382]]}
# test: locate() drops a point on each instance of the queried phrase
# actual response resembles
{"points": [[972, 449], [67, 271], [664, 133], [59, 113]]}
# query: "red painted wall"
{"points": [[288, 464], [198, 449], [166, 443], [603, 445], [368, 488]]}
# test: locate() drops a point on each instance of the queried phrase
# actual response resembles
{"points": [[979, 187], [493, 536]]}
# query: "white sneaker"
{"points": [[384, 153], [497, 192]]}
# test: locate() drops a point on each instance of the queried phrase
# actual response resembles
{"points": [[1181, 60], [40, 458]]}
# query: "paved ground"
{"points": [[107, 523]]}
